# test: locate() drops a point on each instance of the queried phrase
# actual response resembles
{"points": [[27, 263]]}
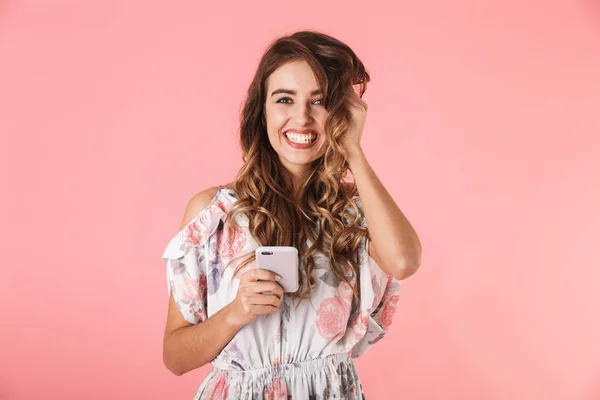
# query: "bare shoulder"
{"points": [[197, 203]]}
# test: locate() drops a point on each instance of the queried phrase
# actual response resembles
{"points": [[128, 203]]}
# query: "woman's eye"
{"points": [[287, 98]]}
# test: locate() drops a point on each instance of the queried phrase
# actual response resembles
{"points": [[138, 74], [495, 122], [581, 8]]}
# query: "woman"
{"points": [[300, 134]]}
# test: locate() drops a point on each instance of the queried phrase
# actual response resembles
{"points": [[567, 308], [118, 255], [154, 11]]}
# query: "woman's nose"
{"points": [[303, 113]]}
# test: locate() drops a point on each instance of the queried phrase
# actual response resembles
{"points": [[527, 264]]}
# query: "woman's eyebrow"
{"points": [[293, 92]]}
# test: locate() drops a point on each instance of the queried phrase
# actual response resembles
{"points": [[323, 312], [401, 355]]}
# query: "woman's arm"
{"points": [[187, 347], [394, 244]]}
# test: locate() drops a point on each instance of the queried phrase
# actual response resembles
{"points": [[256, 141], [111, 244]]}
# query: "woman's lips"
{"points": [[301, 146]]}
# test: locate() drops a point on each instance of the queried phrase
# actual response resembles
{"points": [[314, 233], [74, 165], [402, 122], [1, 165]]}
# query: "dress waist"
{"points": [[289, 369]]}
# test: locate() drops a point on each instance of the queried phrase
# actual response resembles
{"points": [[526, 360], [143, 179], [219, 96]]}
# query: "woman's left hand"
{"points": [[358, 110]]}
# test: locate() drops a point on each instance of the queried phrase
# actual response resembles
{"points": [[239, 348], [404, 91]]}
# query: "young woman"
{"points": [[300, 135]]}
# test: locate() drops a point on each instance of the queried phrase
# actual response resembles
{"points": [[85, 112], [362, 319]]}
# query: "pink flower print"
{"points": [[389, 308], [277, 390], [193, 289], [361, 325], [358, 327], [230, 246], [363, 321], [194, 233], [344, 292], [332, 318], [218, 389], [221, 205]]}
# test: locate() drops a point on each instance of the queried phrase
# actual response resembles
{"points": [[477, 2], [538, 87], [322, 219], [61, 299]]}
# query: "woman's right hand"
{"points": [[250, 302]]}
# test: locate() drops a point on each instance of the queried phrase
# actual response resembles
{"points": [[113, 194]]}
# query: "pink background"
{"points": [[483, 124]]}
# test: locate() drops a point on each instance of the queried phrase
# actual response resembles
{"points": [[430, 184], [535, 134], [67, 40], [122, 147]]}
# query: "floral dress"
{"points": [[302, 352]]}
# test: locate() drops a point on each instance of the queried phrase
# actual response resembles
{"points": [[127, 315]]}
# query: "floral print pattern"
{"points": [[277, 390], [303, 351], [332, 318]]}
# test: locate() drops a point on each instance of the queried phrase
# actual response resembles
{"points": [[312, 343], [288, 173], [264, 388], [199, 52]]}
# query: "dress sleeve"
{"points": [[185, 260], [379, 297]]}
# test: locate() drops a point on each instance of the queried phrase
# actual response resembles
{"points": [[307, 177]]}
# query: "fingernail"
{"points": [[277, 277]]}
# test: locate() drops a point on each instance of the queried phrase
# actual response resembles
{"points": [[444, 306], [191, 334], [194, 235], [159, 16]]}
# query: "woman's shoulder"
{"points": [[202, 200], [199, 202]]}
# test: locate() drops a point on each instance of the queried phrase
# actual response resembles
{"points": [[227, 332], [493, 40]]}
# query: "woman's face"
{"points": [[295, 115]]}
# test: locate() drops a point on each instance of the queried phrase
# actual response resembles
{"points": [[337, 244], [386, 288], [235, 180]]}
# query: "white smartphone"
{"points": [[283, 260]]}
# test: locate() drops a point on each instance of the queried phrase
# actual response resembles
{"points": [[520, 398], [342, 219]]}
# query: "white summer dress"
{"points": [[302, 352]]}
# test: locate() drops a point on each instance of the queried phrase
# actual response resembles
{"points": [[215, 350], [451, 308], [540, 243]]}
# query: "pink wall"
{"points": [[484, 124]]}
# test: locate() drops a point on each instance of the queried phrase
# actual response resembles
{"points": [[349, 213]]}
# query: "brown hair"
{"points": [[324, 210]]}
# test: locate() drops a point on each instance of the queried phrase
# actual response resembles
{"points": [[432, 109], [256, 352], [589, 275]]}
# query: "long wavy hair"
{"points": [[322, 210]]}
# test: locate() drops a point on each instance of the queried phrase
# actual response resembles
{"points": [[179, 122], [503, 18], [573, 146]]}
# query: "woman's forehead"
{"points": [[295, 77]]}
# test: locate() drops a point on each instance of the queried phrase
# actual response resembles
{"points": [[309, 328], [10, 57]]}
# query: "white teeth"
{"points": [[300, 138]]}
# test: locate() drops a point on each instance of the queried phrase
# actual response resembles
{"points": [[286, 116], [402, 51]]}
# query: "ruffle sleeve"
{"points": [[185, 259], [379, 296]]}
